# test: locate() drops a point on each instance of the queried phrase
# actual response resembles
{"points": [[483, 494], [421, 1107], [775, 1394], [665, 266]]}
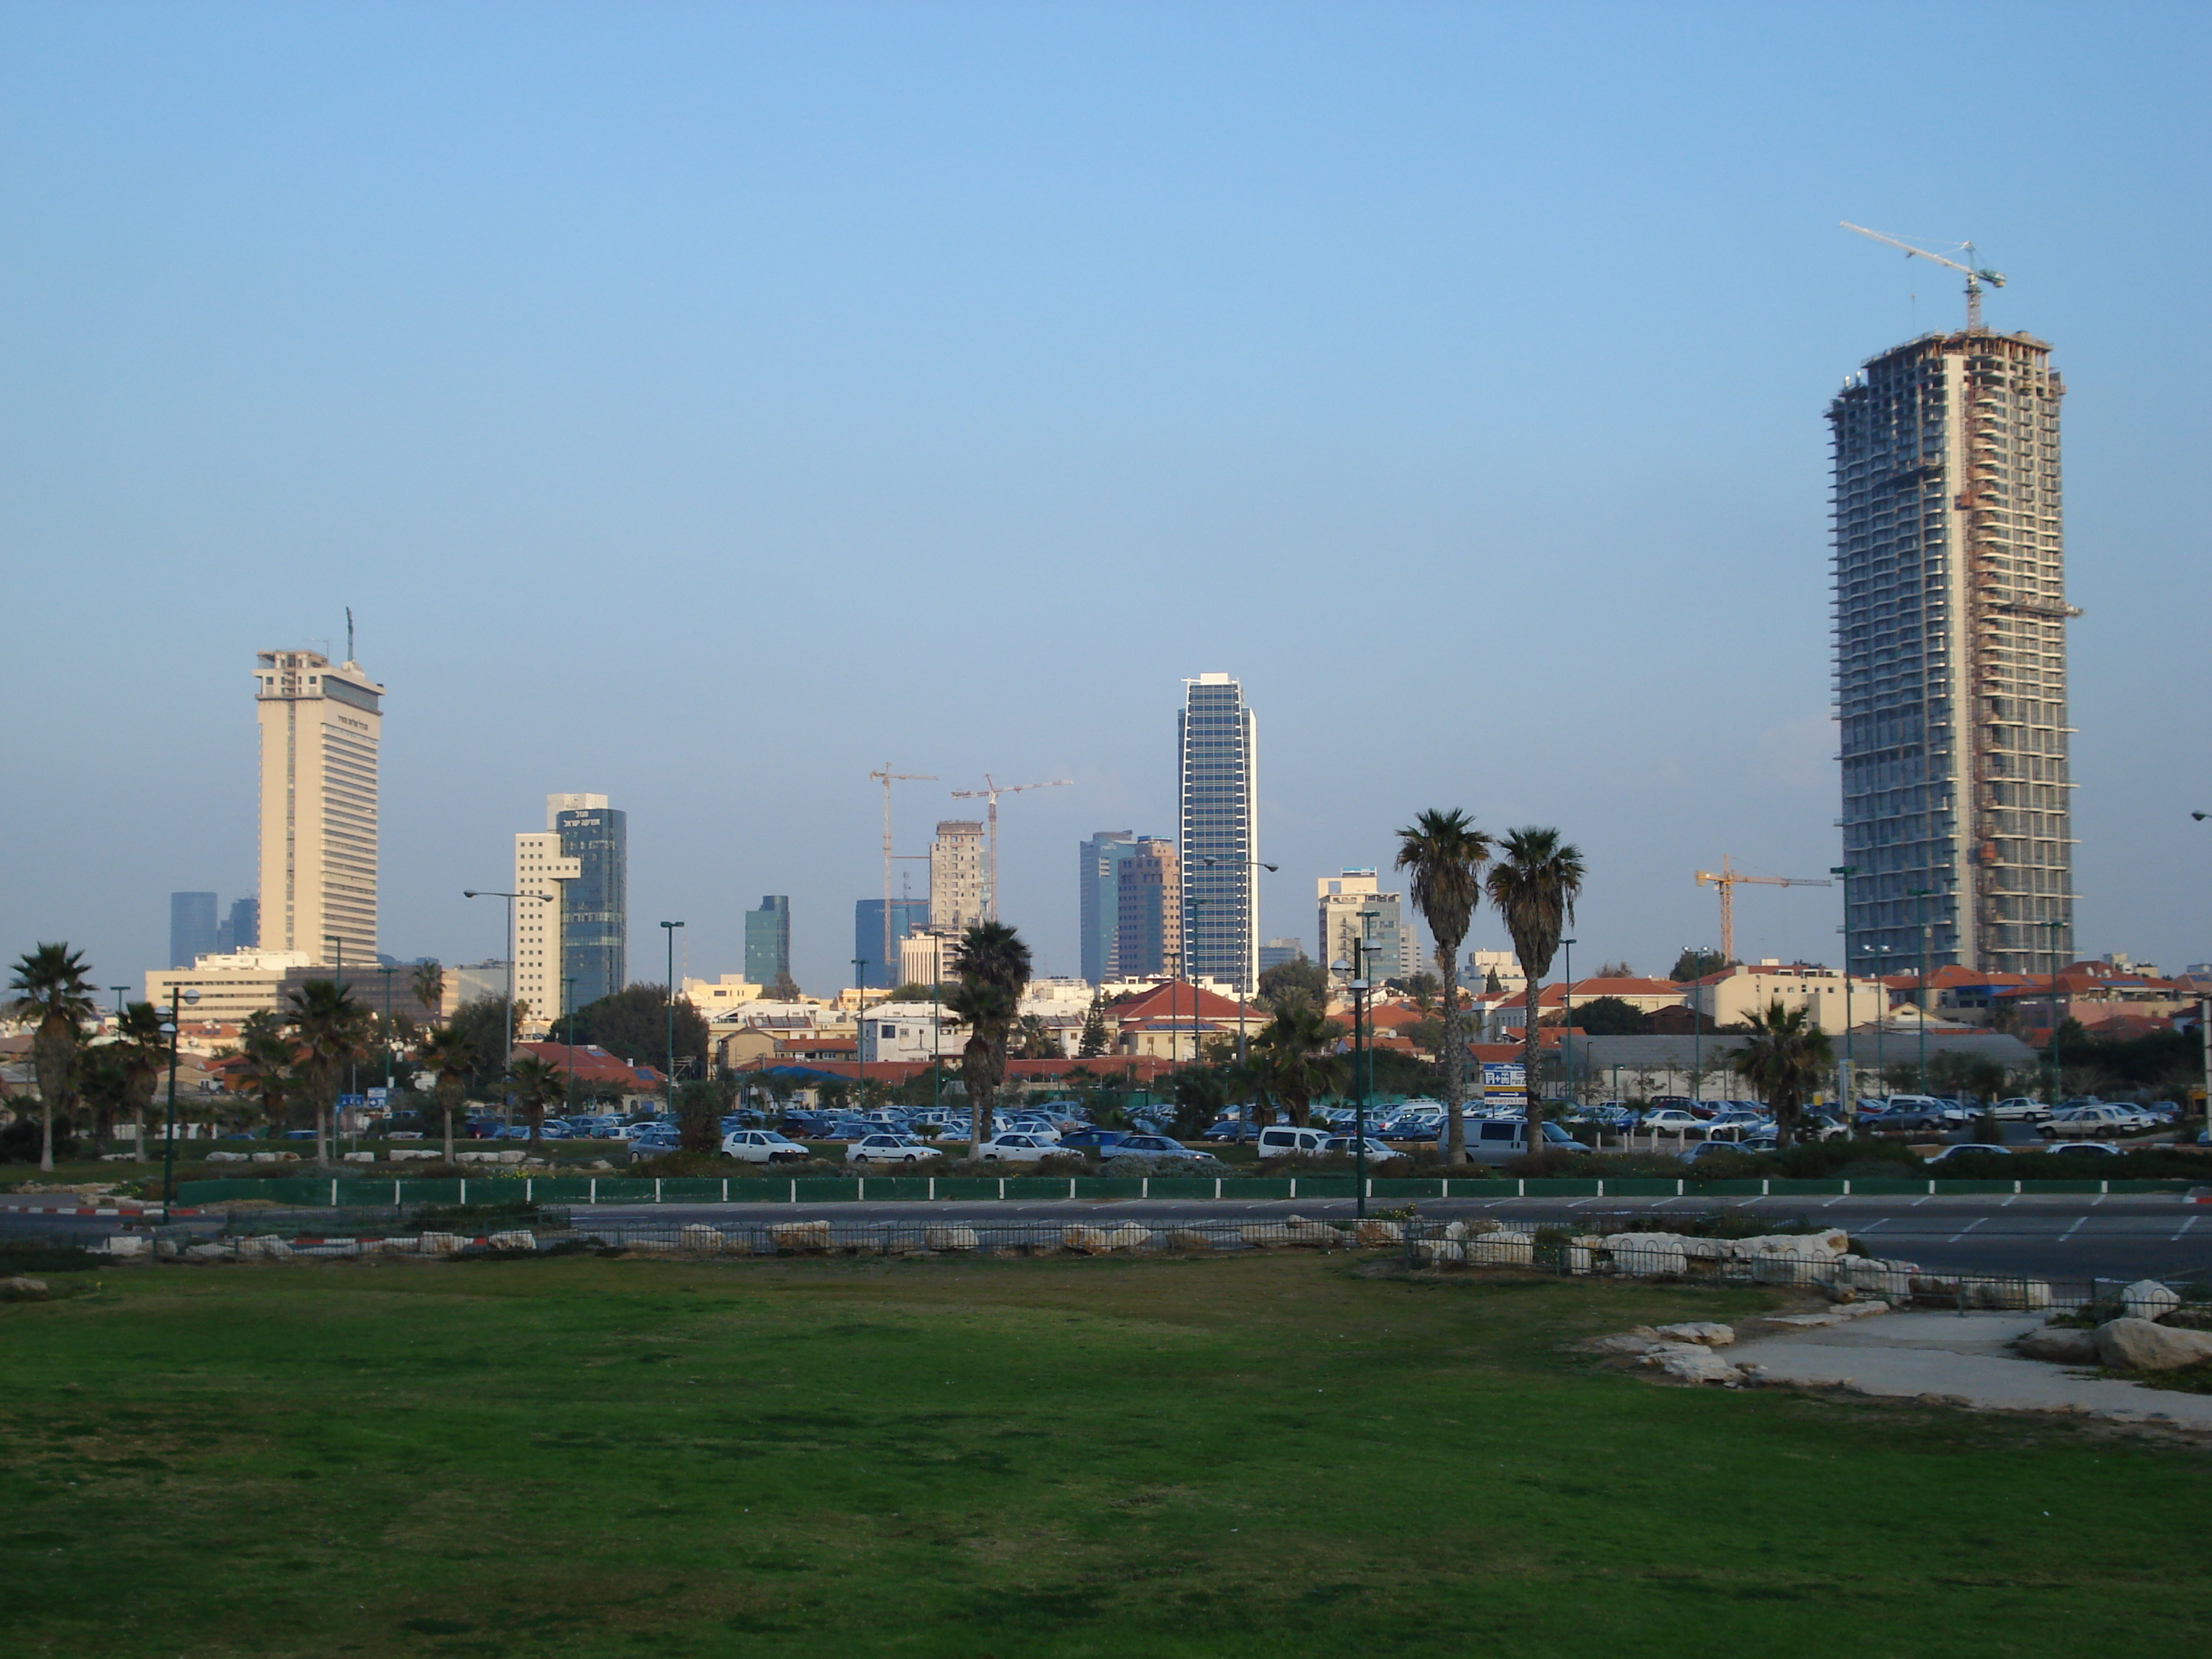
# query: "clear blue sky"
{"points": [[703, 403]]}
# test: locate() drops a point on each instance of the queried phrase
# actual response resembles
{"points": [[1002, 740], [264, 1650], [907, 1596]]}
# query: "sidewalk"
{"points": [[1962, 1362]]}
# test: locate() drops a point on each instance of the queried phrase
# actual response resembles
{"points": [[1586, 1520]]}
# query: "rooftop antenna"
{"points": [[349, 633], [1976, 275]]}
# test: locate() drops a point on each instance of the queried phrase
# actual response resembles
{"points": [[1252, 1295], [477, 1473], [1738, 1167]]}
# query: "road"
{"points": [[2071, 1237]]}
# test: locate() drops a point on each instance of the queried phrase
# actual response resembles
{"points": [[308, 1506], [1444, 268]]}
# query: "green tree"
{"points": [[1784, 1060], [1606, 1017], [331, 1028], [428, 984], [266, 1072], [1492, 984], [1445, 853], [450, 1056], [536, 1083], [1294, 1058], [1694, 964], [104, 1085], [994, 965], [700, 1105], [54, 996], [1034, 1040], [632, 1025], [786, 988], [144, 1052], [1092, 1044], [1302, 981], [1534, 886], [482, 1020]]}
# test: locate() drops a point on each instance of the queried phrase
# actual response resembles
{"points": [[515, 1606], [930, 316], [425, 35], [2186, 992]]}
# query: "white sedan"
{"points": [[2020, 1109], [1018, 1149], [762, 1146], [890, 1149], [2089, 1123]]}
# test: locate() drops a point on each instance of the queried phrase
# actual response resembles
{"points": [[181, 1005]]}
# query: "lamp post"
{"points": [[860, 1023], [670, 927], [169, 1129], [568, 1003], [1881, 1024], [387, 973], [1697, 1040], [1251, 921], [1357, 969], [507, 1039], [1845, 1094], [1923, 894], [1567, 1024], [2057, 1021]]}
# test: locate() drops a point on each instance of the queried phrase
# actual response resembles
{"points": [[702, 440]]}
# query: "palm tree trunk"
{"points": [[46, 1063], [1455, 1058], [1533, 1112]]}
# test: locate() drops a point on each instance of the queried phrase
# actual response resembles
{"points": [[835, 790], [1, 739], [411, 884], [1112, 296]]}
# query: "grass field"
{"points": [[1244, 1457]]}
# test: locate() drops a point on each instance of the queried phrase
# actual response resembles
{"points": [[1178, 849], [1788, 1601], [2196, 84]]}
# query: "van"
{"points": [[1502, 1140], [1283, 1141]]}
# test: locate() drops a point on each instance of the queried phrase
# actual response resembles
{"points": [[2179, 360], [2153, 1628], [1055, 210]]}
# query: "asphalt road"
{"points": [[2070, 1237]]}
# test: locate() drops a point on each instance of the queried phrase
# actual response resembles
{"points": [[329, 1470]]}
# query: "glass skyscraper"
{"points": [[1098, 865], [768, 940], [192, 928], [595, 902], [907, 916], [1218, 793]]}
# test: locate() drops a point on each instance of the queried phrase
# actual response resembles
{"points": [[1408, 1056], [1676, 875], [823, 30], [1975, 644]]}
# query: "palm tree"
{"points": [[331, 1028], [536, 1082], [1446, 853], [53, 992], [145, 1051], [428, 982], [993, 963], [1534, 885], [1785, 1059], [1297, 1057], [451, 1057], [267, 1072]]}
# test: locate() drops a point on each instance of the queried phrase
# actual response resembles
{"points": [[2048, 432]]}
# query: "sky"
{"points": [[703, 405]]}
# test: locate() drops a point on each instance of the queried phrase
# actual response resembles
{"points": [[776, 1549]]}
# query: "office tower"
{"points": [[241, 929], [595, 903], [907, 916], [1354, 910], [1098, 862], [768, 940], [321, 724], [955, 875], [1277, 951], [1149, 897], [1950, 685], [1218, 791], [192, 928]]}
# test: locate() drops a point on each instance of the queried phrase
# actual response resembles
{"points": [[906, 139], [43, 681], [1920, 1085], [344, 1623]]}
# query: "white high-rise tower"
{"points": [[321, 726], [1219, 788]]}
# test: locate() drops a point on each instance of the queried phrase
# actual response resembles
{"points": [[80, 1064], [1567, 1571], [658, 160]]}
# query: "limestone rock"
{"points": [[228, 1157], [1641, 1340], [1091, 1240], [1438, 1251], [1299, 1230], [126, 1245], [2143, 1345], [1190, 1238], [1376, 1234], [804, 1235], [357, 1158], [2060, 1346], [1691, 1362], [1652, 1262], [515, 1240], [23, 1290], [206, 1252], [2149, 1299], [2008, 1295], [697, 1235], [1704, 1331], [439, 1243], [950, 1238], [1501, 1249], [1130, 1236], [1580, 1259]]}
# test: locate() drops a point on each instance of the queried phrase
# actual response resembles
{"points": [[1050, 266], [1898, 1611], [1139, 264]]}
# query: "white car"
{"points": [[762, 1146], [2091, 1123], [2020, 1109], [1283, 1141], [1017, 1148], [890, 1149], [1348, 1146], [1672, 1120]]}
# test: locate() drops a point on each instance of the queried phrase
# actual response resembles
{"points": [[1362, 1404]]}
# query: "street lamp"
{"points": [[507, 1041], [670, 927], [186, 995], [1882, 1021], [1845, 1075], [1567, 1024], [1251, 919], [859, 1023], [568, 1003], [1357, 969], [1923, 894]]}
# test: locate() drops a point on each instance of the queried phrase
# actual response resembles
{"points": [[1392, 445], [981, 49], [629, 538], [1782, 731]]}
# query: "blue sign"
{"points": [[353, 1100]]}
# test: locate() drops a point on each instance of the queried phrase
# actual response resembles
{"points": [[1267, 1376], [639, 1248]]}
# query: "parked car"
{"points": [[1016, 1149], [1706, 1151], [2020, 1109], [1501, 1140], [2093, 1148], [762, 1146], [1228, 1128], [1348, 1146], [1670, 1119], [890, 1149], [1908, 1118], [2092, 1123], [1282, 1140], [1158, 1146], [1963, 1148], [1101, 1141]]}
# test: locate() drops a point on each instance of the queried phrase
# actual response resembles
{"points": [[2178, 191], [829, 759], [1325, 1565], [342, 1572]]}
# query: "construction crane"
{"points": [[1976, 275], [887, 778], [1726, 878], [991, 791]]}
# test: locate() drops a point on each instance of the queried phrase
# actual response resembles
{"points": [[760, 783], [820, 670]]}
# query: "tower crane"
{"points": [[1726, 878], [887, 778], [991, 791], [1976, 275]]}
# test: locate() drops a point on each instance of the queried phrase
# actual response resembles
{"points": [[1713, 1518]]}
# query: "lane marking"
{"points": [[1964, 1230], [2070, 1232], [2185, 1226], [1918, 1202], [2009, 1202], [1871, 1225]]}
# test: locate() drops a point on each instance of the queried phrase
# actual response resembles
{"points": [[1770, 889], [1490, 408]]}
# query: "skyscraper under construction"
{"points": [[1950, 677]]}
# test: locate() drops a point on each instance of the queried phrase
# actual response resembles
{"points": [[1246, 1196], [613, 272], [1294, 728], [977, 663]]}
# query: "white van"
{"points": [[1283, 1141], [1502, 1140]]}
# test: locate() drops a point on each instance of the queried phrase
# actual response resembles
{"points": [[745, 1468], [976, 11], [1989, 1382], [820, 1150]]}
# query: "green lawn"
{"points": [[1244, 1457]]}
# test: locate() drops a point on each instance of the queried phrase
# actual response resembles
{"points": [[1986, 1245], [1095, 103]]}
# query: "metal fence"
{"points": [[343, 1192]]}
